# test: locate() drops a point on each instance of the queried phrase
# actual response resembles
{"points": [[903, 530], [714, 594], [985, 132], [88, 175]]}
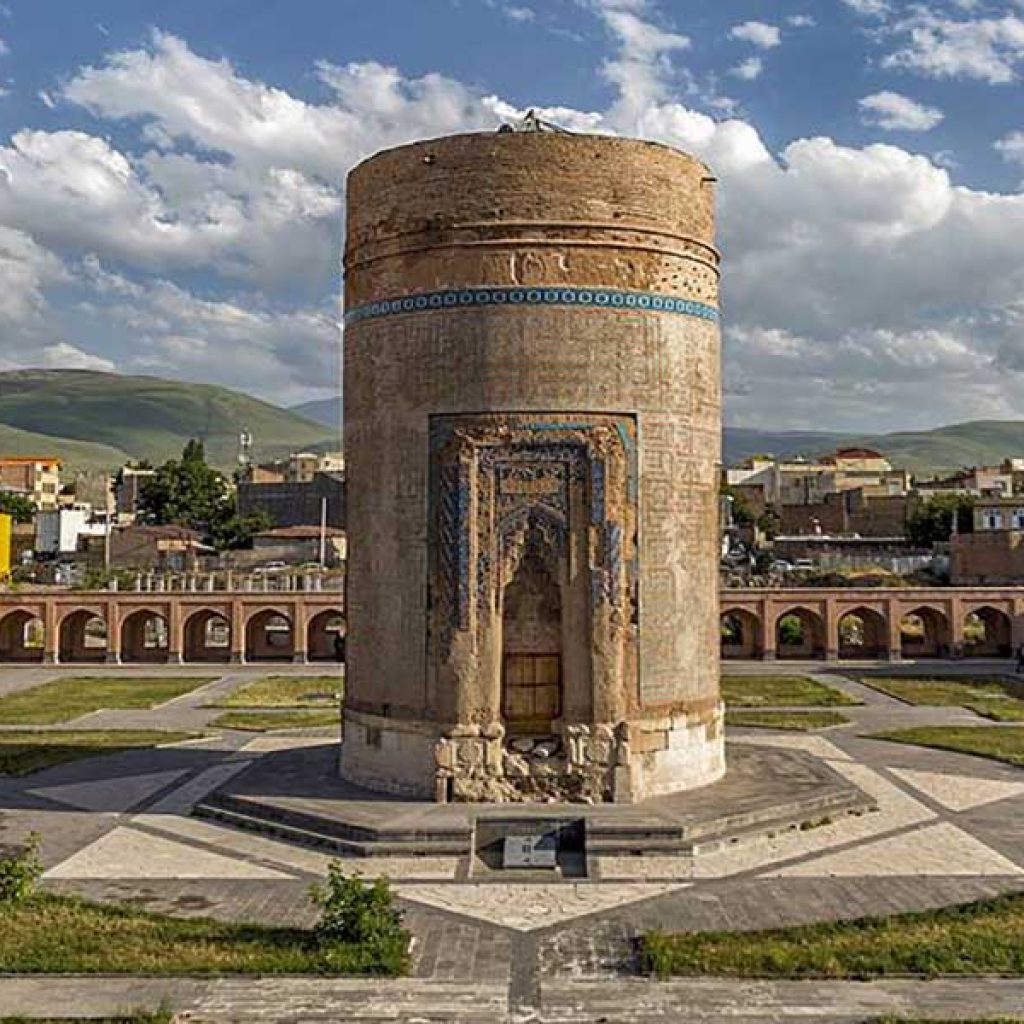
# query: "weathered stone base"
{"points": [[591, 764]]}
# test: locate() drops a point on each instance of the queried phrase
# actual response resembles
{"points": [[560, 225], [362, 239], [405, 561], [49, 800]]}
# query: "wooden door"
{"points": [[532, 692]]}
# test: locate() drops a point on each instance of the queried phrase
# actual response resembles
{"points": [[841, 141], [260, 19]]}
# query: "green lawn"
{"points": [[64, 935], [62, 700], [1000, 743], [285, 692], [267, 721], [986, 937], [798, 721], [990, 697], [24, 751], [780, 691]]}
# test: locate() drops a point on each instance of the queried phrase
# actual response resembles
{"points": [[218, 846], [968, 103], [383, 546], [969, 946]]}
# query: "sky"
{"points": [[172, 179]]}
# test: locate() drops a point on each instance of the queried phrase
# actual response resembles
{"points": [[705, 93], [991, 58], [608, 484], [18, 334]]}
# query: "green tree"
{"points": [[19, 507], [189, 492], [742, 514], [770, 522], [932, 521]]}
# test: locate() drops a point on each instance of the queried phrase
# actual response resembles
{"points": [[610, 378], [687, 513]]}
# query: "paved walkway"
{"points": [[949, 828]]}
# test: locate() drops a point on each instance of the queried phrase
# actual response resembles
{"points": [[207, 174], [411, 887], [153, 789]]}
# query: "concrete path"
{"points": [[637, 1001], [949, 828]]}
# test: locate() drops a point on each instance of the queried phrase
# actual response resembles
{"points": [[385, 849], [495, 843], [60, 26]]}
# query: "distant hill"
{"points": [[924, 452], [326, 412], [98, 420]]}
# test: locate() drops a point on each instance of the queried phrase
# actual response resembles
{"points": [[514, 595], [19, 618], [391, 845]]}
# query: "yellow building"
{"points": [[35, 477]]}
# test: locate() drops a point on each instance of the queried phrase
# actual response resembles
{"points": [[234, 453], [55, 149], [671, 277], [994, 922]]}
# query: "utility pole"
{"points": [[323, 532]]}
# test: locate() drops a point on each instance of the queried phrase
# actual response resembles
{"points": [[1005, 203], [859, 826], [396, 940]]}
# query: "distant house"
{"points": [[298, 544], [296, 503], [35, 477], [166, 548]]}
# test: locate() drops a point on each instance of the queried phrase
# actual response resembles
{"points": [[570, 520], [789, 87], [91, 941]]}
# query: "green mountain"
{"points": [[99, 420], [326, 412], [923, 452]]}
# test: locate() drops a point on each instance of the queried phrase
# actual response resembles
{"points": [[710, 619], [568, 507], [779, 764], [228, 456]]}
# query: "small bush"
{"points": [[362, 914], [20, 872]]}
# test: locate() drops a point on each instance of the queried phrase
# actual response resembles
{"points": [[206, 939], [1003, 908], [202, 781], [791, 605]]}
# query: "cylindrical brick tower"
{"points": [[532, 432]]}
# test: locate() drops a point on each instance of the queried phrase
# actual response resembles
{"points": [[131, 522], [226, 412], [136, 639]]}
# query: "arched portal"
{"points": [[82, 637], [325, 640], [800, 633], [863, 635], [144, 637], [207, 637], [741, 634], [531, 678], [988, 633], [924, 633], [21, 636], [269, 637]]}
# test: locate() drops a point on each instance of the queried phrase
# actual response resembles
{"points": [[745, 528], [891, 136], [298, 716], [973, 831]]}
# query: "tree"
{"points": [[932, 521], [742, 514], [20, 508], [189, 492]]}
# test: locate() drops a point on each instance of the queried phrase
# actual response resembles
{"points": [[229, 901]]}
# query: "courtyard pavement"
{"points": [[949, 828]]}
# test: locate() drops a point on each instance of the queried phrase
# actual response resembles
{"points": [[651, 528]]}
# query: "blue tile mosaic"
{"points": [[600, 298]]}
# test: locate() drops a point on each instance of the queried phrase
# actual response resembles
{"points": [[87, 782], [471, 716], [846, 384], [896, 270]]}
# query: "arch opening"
{"points": [[207, 637], [531, 677], [145, 637], [325, 639], [988, 633], [800, 635], [83, 637], [924, 633], [269, 637], [863, 635], [22, 637], [741, 635]]}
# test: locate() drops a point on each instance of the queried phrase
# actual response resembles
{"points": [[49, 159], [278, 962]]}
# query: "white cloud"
{"points": [[860, 281], [63, 356], [986, 49], [757, 33], [869, 8], [893, 112], [801, 21], [748, 69], [4, 48], [1011, 147]]}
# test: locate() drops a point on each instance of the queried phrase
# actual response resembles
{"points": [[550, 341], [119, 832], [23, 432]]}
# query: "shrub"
{"points": [[20, 872]]}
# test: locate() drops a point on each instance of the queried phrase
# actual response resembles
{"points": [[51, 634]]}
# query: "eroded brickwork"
{"points": [[532, 378]]}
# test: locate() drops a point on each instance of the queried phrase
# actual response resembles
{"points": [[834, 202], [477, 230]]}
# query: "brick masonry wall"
{"points": [[531, 212]]}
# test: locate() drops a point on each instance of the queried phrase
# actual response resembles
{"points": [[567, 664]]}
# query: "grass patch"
{"points": [[62, 700], [1005, 743], [268, 721], [285, 692], [780, 691], [797, 721], [985, 937], [64, 935], [993, 698], [25, 751]]}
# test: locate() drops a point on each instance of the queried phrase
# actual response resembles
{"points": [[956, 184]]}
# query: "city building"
{"points": [[35, 477], [58, 531], [994, 553], [127, 488], [160, 548], [296, 545], [294, 503]]}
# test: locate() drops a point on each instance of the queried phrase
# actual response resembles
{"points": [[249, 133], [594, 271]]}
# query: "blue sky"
{"points": [[171, 178]]}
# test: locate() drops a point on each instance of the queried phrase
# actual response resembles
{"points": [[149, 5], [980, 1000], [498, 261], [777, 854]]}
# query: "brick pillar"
{"points": [[175, 633], [831, 618], [51, 637], [956, 627], [893, 616], [768, 634], [113, 619], [237, 633], [300, 632]]}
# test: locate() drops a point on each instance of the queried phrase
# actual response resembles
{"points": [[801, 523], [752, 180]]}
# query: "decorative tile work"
{"points": [[466, 298]]}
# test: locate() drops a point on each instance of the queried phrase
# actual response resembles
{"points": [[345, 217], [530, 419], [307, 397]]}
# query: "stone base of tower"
{"points": [[626, 762]]}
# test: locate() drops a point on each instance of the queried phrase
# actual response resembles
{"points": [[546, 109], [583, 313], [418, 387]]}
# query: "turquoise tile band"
{"points": [[466, 298]]}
